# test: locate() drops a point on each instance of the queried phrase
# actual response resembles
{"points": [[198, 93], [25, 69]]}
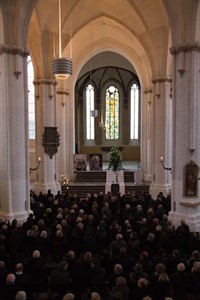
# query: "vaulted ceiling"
{"points": [[139, 30], [135, 29]]}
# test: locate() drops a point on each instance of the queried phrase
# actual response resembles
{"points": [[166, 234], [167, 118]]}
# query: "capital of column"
{"points": [[13, 50], [162, 79], [185, 48], [63, 95], [158, 81], [45, 81], [17, 55], [50, 83], [148, 91], [62, 92]]}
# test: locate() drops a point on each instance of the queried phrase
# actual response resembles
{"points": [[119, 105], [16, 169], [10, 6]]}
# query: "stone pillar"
{"points": [[61, 103], [186, 134], [45, 117], [147, 135], [14, 174], [162, 137]]}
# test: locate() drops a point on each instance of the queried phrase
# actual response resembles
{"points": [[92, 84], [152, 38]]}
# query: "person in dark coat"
{"points": [[97, 278], [195, 279], [121, 287], [117, 244], [89, 243], [136, 274], [181, 283], [23, 279], [39, 279], [141, 290], [126, 261], [176, 259], [3, 273], [146, 262], [59, 244], [134, 245], [60, 280], [10, 289], [117, 272]]}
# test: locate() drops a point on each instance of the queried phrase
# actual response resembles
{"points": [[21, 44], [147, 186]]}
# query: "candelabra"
{"points": [[37, 167], [64, 182], [162, 163]]}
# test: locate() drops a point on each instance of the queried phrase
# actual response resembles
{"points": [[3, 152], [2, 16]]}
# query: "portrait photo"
{"points": [[79, 162], [95, 162]]}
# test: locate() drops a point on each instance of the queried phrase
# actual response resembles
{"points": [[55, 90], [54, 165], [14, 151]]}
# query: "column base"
{"points": [[189, 210], [21, 217], [147, 178], [44, 187], [156, 188]]}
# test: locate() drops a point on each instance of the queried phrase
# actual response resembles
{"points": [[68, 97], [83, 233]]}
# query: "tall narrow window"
{"points": [[89, 108], [31, 99], [112, 113], [134, 113]]}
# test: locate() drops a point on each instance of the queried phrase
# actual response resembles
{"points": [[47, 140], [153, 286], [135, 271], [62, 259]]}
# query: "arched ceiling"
{"points": [[136, 29]]}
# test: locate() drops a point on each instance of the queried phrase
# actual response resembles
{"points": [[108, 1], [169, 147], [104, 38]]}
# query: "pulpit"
{"points": [[115, 189]]}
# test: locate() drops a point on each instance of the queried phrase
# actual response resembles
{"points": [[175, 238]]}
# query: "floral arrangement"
{"points": [[115, 158]]}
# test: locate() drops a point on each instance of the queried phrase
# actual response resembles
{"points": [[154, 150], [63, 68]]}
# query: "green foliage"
{"points": [[115, 158]]}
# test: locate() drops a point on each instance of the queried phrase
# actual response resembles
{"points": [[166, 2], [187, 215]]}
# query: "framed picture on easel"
{"points": [[79, 162], [95, 162]]}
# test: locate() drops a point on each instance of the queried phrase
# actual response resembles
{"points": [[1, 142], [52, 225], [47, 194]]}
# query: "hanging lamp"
{"points": [[62, 67]]}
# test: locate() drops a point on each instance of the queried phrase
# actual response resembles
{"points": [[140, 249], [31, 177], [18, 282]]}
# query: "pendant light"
{"points": [[62, 67]]}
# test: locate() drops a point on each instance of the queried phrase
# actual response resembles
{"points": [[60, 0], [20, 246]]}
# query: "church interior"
{"points": [[131, 80], [100, 149]]}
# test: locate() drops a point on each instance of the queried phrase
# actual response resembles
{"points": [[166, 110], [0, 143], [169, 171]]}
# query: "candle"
{"points": [[161, 158]]}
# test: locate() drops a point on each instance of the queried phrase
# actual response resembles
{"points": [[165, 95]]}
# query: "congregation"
{"points": [[102, 247]]}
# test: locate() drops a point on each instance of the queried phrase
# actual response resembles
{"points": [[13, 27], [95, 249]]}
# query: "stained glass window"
{"points": [[89, 109], [112, 113], [134, 112], [31, 99]]}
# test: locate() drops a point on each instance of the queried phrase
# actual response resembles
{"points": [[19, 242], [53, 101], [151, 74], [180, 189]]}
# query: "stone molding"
{"points": [[190, 203], [61, 92], [44, 81], [148, 91], [13, 50], [164, 79], [185, 48]]}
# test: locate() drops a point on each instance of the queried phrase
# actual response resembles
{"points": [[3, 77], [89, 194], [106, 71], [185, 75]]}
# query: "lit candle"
{"points": [[39, 159], [161, 158]]}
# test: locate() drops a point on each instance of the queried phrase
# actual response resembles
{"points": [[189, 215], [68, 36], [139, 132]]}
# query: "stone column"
{"points": [[186, 134], [45, 117], [162, 137], [14, 175], [61, 103], [147, 135]]}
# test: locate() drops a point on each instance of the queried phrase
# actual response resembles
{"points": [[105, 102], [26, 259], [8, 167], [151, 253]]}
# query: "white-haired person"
{"points": [[95, 296], [21, 295], [68, 296]]}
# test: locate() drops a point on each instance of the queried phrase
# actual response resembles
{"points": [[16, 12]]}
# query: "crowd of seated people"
{"points": [[101, 247]]}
